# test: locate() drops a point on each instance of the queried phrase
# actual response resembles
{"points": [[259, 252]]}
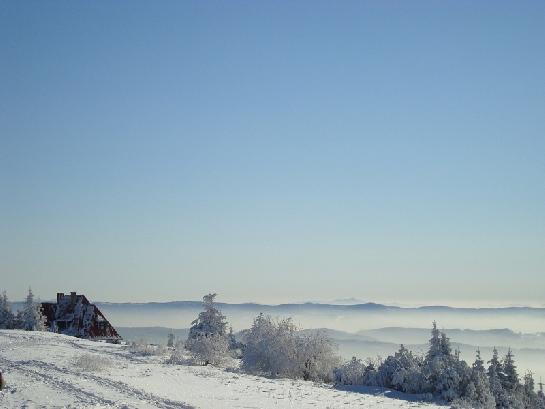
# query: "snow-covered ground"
{"points": [[45, 370]]}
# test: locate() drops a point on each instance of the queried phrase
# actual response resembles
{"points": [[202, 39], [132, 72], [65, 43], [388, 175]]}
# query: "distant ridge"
{"points": [[323, 306]]}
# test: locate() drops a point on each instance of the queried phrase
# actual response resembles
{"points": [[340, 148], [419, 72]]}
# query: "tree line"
{"points": [[29, 317], [276, 348]]}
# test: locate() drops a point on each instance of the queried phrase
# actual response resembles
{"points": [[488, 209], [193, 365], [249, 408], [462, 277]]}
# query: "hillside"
{"points": [[50, 370]]}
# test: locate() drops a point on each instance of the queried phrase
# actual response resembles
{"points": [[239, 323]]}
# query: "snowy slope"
{"points": [[44, 370]]}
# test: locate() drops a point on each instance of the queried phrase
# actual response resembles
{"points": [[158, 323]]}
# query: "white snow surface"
{"points": [[46, 370]]}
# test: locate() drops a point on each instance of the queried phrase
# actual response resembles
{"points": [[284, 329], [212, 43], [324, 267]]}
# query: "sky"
{"points": [[274, 151]]}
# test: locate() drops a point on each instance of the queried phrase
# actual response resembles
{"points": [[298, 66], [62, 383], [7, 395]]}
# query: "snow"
{"points": [[46, 370]]}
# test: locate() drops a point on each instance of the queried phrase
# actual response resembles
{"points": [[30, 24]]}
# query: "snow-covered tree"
{"points": [[464, 374], [270, 347], [433, 364], [6, 314], [435, 349], [510, 382], [370, 374], [529, 395], [403, 372], [170, 340], [209, 321], [540, 396], [351, 372], [446, 349], [442, 370], [448, 384], [277, 348], [477, 391], [234, 345], [478, 365], [494, 379], [208, 348], [357, 372], [508, 374], [317, 357], [30, 318], [207, 341]]}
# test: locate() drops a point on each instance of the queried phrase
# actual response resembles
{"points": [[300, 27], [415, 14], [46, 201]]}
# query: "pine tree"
{"points": [[207, 340], [508, 375], [511, 383], [6, 314], [170, 340], [210, 321], [445, 375], [478, 365], [494, 371], [31, 317], [446, 349], [540, 396], [477, 392], [529, 398], [435, 343]]}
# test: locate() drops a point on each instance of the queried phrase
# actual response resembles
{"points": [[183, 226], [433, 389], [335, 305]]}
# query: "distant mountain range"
{"points": [[343, 317], [345, 304], [350, 317], [337, 305]]}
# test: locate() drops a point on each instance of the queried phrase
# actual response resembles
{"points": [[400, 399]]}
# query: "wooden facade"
{"points": [[74, 315]]}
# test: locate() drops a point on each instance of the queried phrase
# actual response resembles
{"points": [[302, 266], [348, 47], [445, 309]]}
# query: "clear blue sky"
{"points": [[274, 151]]}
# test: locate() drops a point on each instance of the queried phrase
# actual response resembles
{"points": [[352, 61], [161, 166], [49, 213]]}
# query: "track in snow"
{"points": [[42, 372]]}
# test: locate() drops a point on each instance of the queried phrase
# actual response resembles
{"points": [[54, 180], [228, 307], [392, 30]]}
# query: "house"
{"points": [[74, 315]]}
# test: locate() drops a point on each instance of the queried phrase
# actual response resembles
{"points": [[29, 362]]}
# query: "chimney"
{"points": [[60, 296], [73, 297]]}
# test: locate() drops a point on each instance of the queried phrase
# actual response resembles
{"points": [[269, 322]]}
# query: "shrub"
{"points": [[350, 373], [275, 348], [270, 347], [141, 347], [316, 357], [177, 355], [208, 348], [93, 363], [402, 371]]}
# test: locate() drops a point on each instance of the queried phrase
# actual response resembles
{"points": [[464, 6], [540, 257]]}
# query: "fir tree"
{"points": [[478, 365], [494, 373], [207, 340], [446, 349], [210, 321], [435, 343], [508, 375], [445, 375], [402, 372], [6, 314], [529, 398], [31, 317], [540, 396], [478, 390]]}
